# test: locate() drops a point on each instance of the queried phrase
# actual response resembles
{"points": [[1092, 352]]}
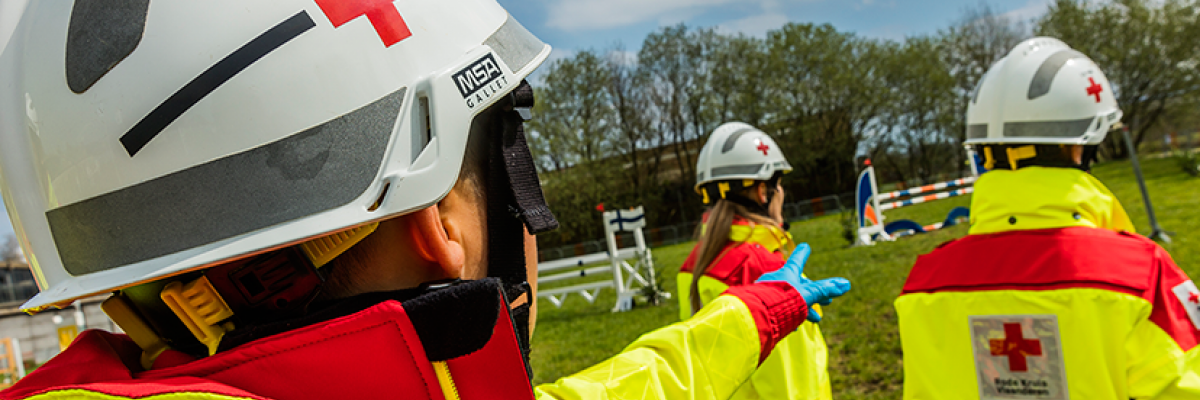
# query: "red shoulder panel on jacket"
{"points": [[1058, 259], [387, 353], [107, 357], [308, 362], [1032, 259]]}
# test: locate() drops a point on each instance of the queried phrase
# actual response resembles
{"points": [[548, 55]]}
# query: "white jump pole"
{"points": [[617, 274]]}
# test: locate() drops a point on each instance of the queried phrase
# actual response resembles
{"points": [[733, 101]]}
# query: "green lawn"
{"points": [[860, 328]]}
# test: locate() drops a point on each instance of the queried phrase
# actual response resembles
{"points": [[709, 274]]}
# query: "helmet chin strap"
{"points": [[515, 204], [1089, 156]]}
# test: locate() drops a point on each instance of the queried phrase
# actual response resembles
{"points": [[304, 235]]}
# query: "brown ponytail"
{"points": [[713, 235]]}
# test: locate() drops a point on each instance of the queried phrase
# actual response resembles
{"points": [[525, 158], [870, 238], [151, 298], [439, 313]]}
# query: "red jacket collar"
{"points": [[374, 353]]}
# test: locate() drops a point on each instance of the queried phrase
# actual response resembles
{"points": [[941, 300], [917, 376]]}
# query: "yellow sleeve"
{"points": [[705, 357], [710, 288], [1158, 368]]}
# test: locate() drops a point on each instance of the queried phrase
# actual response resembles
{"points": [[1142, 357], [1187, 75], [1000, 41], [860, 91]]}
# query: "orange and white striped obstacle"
{"points": [[871, 227]]}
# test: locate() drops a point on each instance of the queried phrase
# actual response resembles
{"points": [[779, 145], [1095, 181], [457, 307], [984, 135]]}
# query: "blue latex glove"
{"points": [[814, 292]]}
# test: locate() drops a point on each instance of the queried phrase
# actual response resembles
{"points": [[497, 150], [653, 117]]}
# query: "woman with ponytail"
{"points": [[741, 237]]}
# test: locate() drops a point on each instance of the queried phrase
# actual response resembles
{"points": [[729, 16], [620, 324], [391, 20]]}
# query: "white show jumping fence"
{"points": [[627, 279], [871, 227]]}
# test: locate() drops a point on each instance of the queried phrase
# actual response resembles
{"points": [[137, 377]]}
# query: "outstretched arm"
{"points": [[709, 355], [706, 357]]}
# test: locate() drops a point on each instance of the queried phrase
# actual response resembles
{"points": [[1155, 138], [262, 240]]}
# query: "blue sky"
{"points": [[573, 25]]}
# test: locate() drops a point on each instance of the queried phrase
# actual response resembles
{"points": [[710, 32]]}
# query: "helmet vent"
{"points": [[424, 133], [382, 195]]}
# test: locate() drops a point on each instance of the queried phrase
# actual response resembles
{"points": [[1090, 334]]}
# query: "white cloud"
{"points": [[537, 78], [625, 57], [581, 15], [865, 4], [756, 26]]}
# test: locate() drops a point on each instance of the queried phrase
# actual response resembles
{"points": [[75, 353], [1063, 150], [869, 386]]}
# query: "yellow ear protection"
{"points": [[729, 190], [713, 191], [1015, 156]]}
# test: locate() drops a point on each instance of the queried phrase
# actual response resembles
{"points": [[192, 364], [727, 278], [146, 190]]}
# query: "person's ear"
{"points": [[437, 240], [762, 192]]}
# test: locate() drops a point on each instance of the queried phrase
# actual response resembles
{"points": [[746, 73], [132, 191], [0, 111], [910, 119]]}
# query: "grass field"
{"points": [[860, 328]]}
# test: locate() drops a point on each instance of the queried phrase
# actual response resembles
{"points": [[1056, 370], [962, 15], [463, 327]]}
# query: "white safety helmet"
{"points": [[735, 156], [143, 141], [1042, 92]]}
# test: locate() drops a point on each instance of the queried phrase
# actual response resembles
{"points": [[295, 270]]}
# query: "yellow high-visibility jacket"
{"points": [[797, 368], [1049, 297]]}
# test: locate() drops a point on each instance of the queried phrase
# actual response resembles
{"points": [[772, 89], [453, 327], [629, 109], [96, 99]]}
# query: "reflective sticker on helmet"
{"points": [[743, 169], [1040, 85], [733, 138], [977, 131], [315, 170], [1018, 357], [514, 44], [99, 36], [480, 81], [1048, 129], [1190, 298]]}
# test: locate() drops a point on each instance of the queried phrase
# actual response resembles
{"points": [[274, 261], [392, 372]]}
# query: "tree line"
{"points": [[623, 128]]}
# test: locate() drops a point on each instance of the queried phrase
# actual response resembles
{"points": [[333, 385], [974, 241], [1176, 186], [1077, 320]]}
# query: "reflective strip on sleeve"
{"points": [[1189, 296]]}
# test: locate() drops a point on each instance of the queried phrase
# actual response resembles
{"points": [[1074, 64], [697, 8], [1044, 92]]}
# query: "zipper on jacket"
{"points": [[445, 381]]}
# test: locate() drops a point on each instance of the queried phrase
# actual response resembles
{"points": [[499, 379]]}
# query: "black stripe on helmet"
{"points": [[211, 79]]}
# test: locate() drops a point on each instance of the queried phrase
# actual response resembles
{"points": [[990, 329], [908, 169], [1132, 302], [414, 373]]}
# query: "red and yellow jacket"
{"points": [[457, 343], [1049, 297], [797, 368]]}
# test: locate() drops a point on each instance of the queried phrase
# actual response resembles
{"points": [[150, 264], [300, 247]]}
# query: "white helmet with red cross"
{"points": [[140, 141], [1042, 92], [736, 155]]}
